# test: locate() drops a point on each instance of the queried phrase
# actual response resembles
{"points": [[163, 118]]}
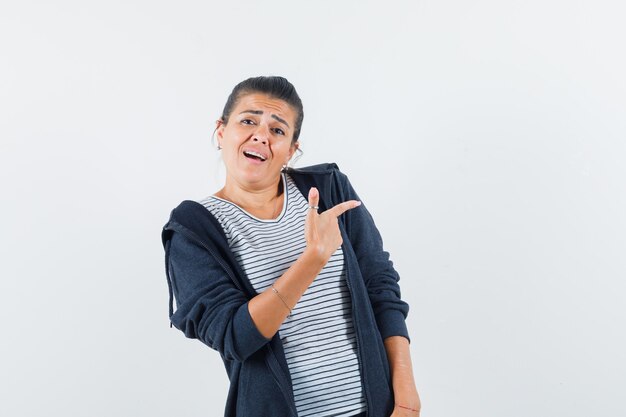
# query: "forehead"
{"points": [[267, 104]]}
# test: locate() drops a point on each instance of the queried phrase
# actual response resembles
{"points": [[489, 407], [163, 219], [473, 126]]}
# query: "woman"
{"points": [[283, 272]]}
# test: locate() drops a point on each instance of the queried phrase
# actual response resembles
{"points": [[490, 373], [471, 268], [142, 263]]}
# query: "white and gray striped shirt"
{"points": [[318, 339]]}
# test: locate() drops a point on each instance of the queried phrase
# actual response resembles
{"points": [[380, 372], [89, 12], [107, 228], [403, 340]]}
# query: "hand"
{"points": [[321, 231]]}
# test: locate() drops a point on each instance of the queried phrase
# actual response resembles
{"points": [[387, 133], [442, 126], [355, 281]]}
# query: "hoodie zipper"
{"points": [[358, 337], [273, 366]]}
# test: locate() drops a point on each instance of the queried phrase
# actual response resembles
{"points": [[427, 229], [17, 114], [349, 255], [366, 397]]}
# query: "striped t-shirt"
{"points": [[318, 339]]}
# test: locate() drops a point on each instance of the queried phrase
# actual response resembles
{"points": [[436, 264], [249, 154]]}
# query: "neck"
{"points": [[261, 202]]}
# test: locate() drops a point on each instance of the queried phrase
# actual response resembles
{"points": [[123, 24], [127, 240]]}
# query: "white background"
{"points": [[486, 137]]}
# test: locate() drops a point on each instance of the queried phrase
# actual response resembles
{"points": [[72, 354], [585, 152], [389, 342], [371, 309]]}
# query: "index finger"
{"points": [[341, 208]]}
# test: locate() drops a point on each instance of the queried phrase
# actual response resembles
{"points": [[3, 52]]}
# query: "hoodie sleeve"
{"points": [[210, 307], [379, 275]]}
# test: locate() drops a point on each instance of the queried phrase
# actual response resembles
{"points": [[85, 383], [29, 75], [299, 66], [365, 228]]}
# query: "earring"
{"points": [[284, 167], [219, 148]]}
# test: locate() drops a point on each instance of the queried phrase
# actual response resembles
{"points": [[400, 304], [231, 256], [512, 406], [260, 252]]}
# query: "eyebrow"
{"points": [[283, 121]]}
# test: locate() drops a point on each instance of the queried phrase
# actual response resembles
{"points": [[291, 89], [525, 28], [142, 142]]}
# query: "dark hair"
{"points": [[273, 86]]}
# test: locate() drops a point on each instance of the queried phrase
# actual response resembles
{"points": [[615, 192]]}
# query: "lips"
{"points": [[255, 154]]}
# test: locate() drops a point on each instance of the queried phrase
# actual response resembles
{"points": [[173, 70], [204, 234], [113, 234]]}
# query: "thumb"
{"points": [[314, 197]]}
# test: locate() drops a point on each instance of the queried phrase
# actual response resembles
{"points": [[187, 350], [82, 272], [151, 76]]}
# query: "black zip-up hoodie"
{"points": [[212, 294]]}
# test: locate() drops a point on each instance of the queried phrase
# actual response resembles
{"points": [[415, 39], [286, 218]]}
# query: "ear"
{"points": [[219, 128], [293, 149]]}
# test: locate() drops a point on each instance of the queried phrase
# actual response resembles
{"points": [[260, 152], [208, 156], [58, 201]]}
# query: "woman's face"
{"points": [[256, 142]]}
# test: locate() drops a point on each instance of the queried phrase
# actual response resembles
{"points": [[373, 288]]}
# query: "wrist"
{"points": [[407, 396], [314, 256], [405, 408]]}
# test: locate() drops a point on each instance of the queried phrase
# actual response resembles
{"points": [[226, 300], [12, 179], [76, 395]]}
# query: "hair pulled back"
{"points": [[273, 86]]}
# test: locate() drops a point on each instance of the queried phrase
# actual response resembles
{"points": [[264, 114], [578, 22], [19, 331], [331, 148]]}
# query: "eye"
{"points": [[279, 131], [247, 122]]}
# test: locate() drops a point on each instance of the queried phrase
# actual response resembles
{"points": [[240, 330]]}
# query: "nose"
{"points": [[261, 134], [258, 139]]}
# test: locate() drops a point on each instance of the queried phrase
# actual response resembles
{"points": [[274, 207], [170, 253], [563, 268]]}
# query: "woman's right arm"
{"points": [[210, 307]]}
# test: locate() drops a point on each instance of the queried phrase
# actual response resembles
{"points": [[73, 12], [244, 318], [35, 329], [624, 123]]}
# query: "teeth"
{"points": [[255, 154]]}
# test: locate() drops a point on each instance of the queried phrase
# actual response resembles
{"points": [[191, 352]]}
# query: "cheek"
{"points": [[282, 147], [230, 152]]}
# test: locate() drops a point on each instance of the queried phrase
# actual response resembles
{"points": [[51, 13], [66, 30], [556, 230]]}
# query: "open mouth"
{"points": [[254, 155]]}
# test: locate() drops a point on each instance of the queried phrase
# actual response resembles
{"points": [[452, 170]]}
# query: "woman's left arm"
{"points": [[390, 311], [405, 393]]}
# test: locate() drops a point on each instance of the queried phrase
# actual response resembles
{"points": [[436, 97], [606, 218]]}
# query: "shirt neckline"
{"points": [[280, 215]]}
